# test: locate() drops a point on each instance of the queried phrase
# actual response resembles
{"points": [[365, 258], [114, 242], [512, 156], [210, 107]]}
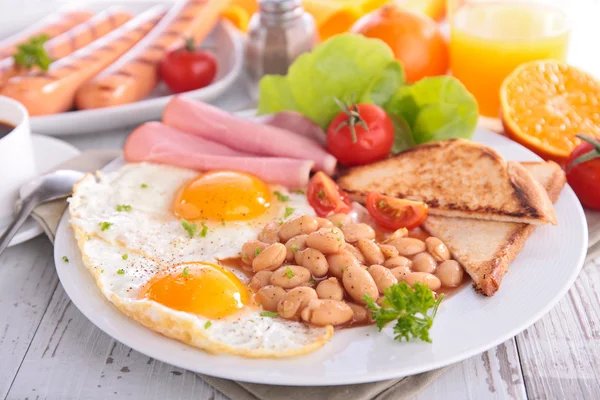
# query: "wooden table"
{"points": [[49, 350]]}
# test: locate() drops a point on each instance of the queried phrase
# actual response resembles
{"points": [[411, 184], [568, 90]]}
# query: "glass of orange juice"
{"points": [[490, 38]]}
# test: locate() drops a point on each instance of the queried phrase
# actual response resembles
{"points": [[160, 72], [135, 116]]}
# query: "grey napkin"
{"points": [[49, 214]]}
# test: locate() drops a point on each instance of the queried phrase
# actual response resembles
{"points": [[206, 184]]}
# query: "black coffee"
{"points": [[5, 128]]}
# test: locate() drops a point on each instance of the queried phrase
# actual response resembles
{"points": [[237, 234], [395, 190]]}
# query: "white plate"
{"points": [[467, 323], [225, 40], [49, 153]]}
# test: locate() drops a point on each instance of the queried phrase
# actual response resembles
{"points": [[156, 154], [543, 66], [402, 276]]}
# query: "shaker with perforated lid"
{"points": [[277, 35]]}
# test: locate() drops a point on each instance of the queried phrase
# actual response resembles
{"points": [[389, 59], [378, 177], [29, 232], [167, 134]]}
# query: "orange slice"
{"points": [[546, 103]]}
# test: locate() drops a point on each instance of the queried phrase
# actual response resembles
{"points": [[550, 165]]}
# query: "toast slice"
{"points": [[486, 248], [456, 178]]}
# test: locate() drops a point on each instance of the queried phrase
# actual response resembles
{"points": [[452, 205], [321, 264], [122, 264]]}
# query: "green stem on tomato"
{"points": [[189, 44]]}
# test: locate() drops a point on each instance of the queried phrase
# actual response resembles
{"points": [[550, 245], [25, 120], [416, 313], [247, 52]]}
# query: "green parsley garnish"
{"points": [[289, 273], [104, 225], [409, 308], [295, 248], [299, 191], [381, 204], [123, 207], [32, 53], [121, 272], [189, 227], [281, 197], [185, 272], [125, 256], [269, 314], [65, 259], [280, 222], [102, 271], [223, 223], [207, 324], [204, 230], [288, 211], [311, 280], [143, 186], [257, 251]]}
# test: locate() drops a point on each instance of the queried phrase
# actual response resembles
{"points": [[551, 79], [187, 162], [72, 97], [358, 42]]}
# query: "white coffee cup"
{"points": [[17, 162]]}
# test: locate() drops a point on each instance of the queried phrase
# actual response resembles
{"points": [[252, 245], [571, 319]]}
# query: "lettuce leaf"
{"points": [[344, 67]]}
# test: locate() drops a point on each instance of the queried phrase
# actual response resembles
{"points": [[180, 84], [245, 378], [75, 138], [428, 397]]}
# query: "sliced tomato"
{"points": [[325, 196], [391, 213]]}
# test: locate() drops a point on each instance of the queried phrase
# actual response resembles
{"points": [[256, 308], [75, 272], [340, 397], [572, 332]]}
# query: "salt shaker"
{"points": [[277, 34]]}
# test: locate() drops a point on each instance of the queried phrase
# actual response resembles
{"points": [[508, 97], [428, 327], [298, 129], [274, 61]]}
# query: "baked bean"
{"points": [[358, 282], [270, 258], [327, 312], [330, 288], [324, 223], [397, 262], [408, 246], [315, 262], [398, 234], [251, 249], [294, 301], [430, 280], [382, 276], [370, 251], [437, 249], [423, 262], [295, 244], [389, 251], [337, 262], [270, 233], [355, 252], [450, 273], [353, 232], [326, 240], [400, 273], [290, 276], [268, 297], [260, 279], [340, 220], [304, 224], [359, 313]]}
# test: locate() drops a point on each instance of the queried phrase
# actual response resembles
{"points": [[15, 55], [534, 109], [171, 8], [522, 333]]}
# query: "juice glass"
{"points": [[488, 39]]}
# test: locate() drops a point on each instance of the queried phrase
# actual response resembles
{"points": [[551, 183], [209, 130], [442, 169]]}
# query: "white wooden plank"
{"points": [[560, 354], [70, 358], [27, 280], [495, 374]]}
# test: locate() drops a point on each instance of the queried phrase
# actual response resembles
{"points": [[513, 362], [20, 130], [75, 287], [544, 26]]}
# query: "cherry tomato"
{"points": [[391, 213], [325, 196], [360, 134], [188, 68], [584, 176]]}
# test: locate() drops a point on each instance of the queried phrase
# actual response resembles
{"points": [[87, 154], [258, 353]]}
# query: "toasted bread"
{"points": [[486, 248], [456, 178]]}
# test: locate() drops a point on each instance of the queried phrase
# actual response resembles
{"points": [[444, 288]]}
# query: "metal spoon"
{"points": [[52, 186]]}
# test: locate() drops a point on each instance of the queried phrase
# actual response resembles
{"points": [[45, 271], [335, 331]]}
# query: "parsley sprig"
{"points": [[32, 53], [281, 197], [410, 308]]}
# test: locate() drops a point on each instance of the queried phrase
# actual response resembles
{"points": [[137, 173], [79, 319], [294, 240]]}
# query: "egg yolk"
{"points": [[197, 288], [222, 196]]}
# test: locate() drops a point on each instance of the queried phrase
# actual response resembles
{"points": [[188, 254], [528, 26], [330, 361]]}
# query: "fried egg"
{"points": [[153, 236]]}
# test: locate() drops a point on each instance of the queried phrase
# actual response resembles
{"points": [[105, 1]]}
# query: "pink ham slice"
{"points": [[211, 123], [158, 143], [294, 122]]}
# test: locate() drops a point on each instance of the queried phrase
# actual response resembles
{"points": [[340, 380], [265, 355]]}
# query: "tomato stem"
{"points": [[594, 153], [354, 118], [189, 44]]}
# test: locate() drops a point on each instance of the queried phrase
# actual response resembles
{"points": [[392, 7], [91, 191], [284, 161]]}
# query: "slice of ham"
{"points": [[158, 143], [295, 122], [241, 134]]}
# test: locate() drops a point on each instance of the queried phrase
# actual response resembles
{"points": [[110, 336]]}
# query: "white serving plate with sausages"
{"points": [[225, 40], [467, 323]]}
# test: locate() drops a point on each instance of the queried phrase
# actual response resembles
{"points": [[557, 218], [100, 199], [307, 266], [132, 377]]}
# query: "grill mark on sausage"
{"points": [[123, 73], [72, 40], [47, 76], [88, 57], [105, 88], [185, 18], [70, 67], [155, 46], [112, 19], [143, 60], [171, 33], [107, 47]]}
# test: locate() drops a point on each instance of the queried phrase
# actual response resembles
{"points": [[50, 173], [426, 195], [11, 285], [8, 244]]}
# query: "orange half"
{"points": [[546, 103]]}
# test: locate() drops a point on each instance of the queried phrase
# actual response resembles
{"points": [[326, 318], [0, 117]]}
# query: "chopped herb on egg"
{"points": [[269, 314], [121, 272], [288, 211], [257, 251], [144, 186], [281, 197], [223, 223], [185, 272], [204, 230], [101, 271], [123, 207], [299, 191], [125, 256], [289, 273], [65, 259], [207, 324], [189, 227], [104, 225]]}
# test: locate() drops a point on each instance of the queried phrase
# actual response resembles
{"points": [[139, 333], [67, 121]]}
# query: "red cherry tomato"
{"points": [[584, 177], [391, 213], [188, 68], [325, 196], [360, 134]]}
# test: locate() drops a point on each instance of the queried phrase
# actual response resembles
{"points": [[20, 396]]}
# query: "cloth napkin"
{"points": [[49, 214]]}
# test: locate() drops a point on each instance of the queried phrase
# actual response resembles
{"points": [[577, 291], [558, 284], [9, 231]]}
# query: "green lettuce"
{"points": [[345, 67]]}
